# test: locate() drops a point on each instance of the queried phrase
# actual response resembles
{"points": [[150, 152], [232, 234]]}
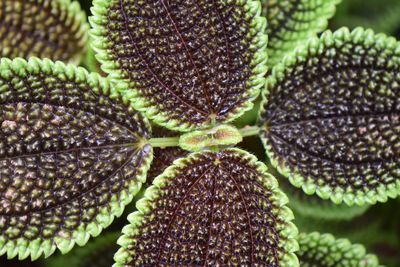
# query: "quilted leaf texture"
{"points": [[73, 153], [292, 22], [55, 29], [185, 64], [331, 117], [211, 209]]}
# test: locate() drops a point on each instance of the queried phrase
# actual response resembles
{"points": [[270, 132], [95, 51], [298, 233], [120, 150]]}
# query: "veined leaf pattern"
{"points": [[331, 117], [211, 208], [72, 155], [185, 64]]}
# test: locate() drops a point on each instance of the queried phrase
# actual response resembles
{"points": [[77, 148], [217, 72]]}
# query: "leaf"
{"points": [[293, 22], [211, 208], [323, 250], [219, 136], [185, 64], [312, 206], [331, 117], [97, 253], [72, 155], [163, 158], [55, 29]]}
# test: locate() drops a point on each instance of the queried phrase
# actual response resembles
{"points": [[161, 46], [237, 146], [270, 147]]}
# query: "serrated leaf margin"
{"points": [[144, 206], [320, 25], [115, 208], [340, 245], [78, 254], [314, 46], [327, 211], [78, 15]]}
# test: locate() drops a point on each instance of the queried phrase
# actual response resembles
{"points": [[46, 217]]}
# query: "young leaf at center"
{"points": [[72, 155], [185, 64], [211, 209]]}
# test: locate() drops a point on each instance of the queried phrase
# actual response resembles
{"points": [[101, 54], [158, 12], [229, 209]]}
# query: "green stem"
{"points": [[249, 131], [174, 141], [164, 141]]}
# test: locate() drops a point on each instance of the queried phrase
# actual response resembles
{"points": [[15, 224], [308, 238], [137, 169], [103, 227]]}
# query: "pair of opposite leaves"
{"points": [[75, 152]]}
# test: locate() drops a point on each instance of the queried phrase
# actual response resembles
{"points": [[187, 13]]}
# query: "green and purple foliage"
{"points": [[198, 133]]}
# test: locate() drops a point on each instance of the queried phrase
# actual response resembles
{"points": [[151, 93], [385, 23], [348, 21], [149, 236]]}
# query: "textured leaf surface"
{"points": [[211, 208], [72, 155], [292, 22], [163, 158], [323, 250], [312, 206], [331, 117], [55, 29], [186, 64]]}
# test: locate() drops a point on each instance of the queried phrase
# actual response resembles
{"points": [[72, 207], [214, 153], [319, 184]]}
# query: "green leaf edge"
{"points": [[101, 45], [340, 245], [144, 206], [315, 46], [89, 61], [277, 54], [79, 254], [326, 210], [315, 208], [35, 248]]}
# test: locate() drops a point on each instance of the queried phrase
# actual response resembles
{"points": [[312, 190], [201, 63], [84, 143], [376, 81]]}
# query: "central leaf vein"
{"points": [[126, 19]]}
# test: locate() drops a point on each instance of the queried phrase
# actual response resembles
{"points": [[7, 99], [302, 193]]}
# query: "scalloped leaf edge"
{"points": [[321, 24], [288, 259], [100, 45], [35, 248], [312, 47], [342, 245]]}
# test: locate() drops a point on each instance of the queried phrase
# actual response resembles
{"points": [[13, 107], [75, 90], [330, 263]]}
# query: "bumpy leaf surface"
{"points": [[331, 117], [292, 22], [163, 158], [55, 29], [186, 64], [211, 208], [323, 250], [312, 206], [72, 155]]}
